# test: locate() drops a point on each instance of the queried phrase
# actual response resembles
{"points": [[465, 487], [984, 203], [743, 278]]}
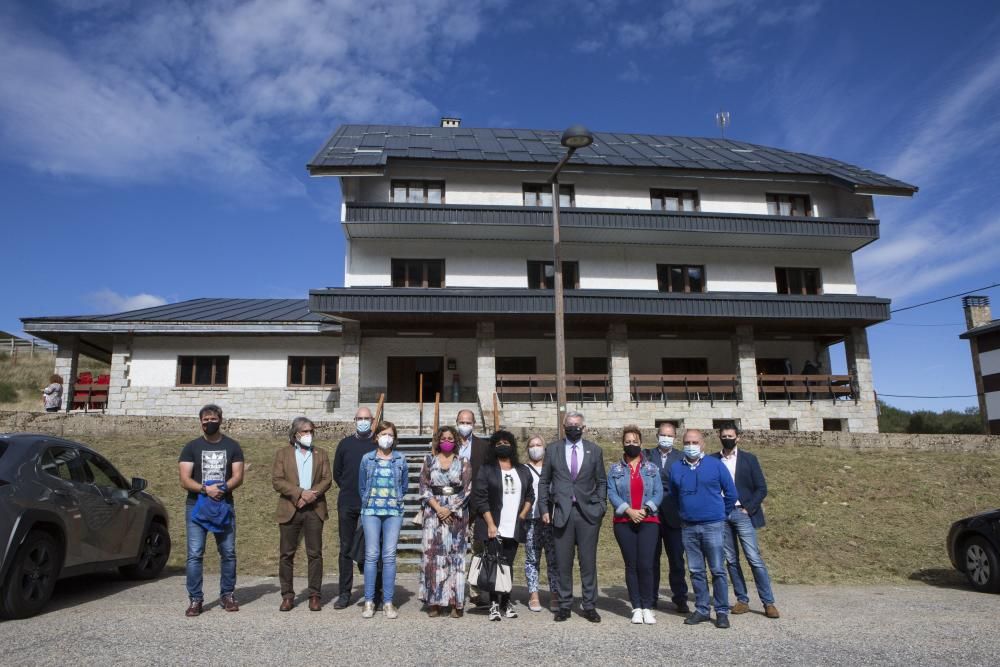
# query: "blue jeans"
{"points": [[704, 541], [380, 531], [739, 527], [226, 543]]}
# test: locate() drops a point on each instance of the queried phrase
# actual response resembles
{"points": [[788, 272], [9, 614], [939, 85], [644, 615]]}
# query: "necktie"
{"points": [[574, 465]]}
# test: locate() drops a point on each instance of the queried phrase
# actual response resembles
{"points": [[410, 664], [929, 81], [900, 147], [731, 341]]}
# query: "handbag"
{"points": [[494, 573]]}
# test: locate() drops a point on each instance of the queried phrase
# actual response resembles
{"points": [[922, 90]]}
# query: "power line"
{"points": [[944, 298], [911, 396], [906, 324]]}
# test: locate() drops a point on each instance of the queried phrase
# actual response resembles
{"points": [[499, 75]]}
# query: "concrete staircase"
{"points": [[414, 448]]}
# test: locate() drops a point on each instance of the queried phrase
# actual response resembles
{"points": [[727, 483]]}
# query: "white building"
{"points": [[701, 275], [983, 334]]}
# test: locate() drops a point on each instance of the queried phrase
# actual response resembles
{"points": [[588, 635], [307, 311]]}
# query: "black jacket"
{"points": [[476, 459], [346, 463], [668, 506], [487, 496], [750, 485]]}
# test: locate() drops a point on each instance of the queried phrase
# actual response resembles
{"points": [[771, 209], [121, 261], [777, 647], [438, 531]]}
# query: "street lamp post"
{"points": [[573, 138]]}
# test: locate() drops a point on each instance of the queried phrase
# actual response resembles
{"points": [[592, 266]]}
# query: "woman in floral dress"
{"points": [[445, 480]]}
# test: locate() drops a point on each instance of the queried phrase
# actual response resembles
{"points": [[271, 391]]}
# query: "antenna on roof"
{"points": [[722, 119]]}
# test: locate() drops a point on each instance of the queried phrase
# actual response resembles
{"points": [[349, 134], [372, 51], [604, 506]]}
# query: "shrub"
{"points": [[7, 393]]}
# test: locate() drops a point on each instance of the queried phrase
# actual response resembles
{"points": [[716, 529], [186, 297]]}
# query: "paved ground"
{"points": [[108, 621]]}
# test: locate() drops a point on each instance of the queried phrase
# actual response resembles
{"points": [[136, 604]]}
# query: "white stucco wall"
{"points": [[256, 361], [375, 351], [504, 264], [989, 362]]}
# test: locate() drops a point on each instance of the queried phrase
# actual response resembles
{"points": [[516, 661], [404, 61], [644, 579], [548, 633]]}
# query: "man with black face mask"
{"points": [[211, 467], [743, 522]]}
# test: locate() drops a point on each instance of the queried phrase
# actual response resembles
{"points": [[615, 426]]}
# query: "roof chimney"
{"points": [[451, 122], [977, 311]]}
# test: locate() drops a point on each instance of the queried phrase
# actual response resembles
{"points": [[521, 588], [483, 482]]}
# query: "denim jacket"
{"points": [[367, 469], [620, 487]]}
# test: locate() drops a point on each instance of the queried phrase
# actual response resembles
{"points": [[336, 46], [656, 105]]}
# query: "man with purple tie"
{"points": [[572, 497]]}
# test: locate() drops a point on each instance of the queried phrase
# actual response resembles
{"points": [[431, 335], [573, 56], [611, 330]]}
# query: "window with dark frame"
{"points": [[680, 278], [516, 365], [684, 366], [202, 371], [540, 194], [312, 371], [674, 200], [796, 280], [833, 425], [418, 273], [780, 424], [417, 192], [542, 276], [788, 204], [590, 365]]}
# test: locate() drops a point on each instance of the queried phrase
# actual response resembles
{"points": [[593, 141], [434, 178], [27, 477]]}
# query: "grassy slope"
{"points": [[833, 515], [29, 375]]}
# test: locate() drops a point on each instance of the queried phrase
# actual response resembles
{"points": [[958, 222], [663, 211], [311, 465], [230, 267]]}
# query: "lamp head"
{"points": [[577, 136]]}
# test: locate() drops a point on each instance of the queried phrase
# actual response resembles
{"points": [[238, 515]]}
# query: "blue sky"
{"points": [[155, 152]]}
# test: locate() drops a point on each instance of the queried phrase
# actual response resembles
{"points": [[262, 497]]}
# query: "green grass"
{"points": [[26, 376], [834, 516]]}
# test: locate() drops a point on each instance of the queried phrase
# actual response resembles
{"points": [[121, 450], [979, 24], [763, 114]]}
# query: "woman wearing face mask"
{"points": [[503, 495], [635, 491], [538, 537], [445, 480], [382, 481]]}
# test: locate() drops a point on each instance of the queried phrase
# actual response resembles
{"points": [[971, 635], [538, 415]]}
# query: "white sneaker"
{"points": [[637, 616], [647, 617], [389, 610], [369, 610]]}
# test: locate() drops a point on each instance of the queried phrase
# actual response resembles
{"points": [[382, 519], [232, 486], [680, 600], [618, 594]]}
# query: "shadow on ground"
{"points": [[88, 587], [941, 578]]}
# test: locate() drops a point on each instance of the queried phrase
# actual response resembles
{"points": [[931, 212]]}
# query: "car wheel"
{"points": [[32, 576], [152, 556], [981, 565]]}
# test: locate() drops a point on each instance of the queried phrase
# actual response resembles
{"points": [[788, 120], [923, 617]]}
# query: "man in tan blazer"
{"points": [[301, 475]]}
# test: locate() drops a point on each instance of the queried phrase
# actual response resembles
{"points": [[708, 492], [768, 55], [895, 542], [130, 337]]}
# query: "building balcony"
{"points": [[602, 226]]}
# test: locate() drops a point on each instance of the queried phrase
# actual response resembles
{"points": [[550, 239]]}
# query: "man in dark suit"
{"points": [[572, 496], [743, 522], [663, 456], [346, 464], [472, 448]]}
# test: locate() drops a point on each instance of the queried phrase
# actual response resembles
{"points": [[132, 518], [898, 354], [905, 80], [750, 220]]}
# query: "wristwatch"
{"points": [[204, 489]]}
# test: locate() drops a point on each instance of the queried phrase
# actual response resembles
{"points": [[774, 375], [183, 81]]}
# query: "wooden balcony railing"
{"points": [[532, 388], [806, 388], [688, 388]]}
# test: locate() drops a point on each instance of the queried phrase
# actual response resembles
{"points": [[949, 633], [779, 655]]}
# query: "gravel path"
{"points": [[104, 620]]}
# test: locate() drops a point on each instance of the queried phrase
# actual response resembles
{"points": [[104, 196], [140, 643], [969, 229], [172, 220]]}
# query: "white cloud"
{"points": [[109, 301], [211, 92], [632, 73], [588, 46]]}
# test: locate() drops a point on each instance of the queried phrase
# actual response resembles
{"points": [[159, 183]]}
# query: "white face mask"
{"points": [[665, 441], [364, 425], [465, 430], [306, 440], [693, 452], [536, 453], [385, 442]]}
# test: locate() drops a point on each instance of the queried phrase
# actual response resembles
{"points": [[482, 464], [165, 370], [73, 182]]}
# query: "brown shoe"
{"points": [[740, 608], [228, 603], [456, 612], [287, 602], [433, 611], [771, 611], [314, 603], [194, 609]]}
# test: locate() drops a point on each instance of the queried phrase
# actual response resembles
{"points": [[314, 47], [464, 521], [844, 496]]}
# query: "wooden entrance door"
{"points": [[403, 381]]}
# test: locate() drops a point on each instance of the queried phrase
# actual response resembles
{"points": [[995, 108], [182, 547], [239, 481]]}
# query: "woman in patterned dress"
{"points": [[445, 480]]}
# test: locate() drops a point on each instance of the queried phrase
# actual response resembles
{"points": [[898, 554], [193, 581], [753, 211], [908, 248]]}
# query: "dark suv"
{"points": [[65, 511]]}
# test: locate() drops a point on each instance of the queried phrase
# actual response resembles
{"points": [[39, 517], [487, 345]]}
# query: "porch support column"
{"points": [[745, 359], [67, 360], [486, 364], [121, 358], [618, 363], [350, 365], [859, 365], [823, 358]]}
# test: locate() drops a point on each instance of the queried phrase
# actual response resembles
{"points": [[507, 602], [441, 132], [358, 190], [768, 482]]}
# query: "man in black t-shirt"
{"points": [[211, 466]]}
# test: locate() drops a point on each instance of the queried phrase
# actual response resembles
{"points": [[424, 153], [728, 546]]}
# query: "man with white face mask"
{"points": [[705, 495], [663, 456], [301, 475], [345, 474], [472, 449]]}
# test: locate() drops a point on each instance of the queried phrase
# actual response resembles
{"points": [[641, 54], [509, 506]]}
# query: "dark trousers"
{"points": [[578, 538], [304, 522], [672, 542], [509, 549], [347, 520], [638, 544]]}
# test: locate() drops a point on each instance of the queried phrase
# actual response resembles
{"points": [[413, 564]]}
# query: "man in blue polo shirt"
{"points": [[705, 495]]}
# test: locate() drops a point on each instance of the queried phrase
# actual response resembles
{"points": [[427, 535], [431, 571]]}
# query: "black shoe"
{"points": [[562, 615], [592, 615], [695, 619], [481, 601], [682, 607], [342, 602], [722, 621]]}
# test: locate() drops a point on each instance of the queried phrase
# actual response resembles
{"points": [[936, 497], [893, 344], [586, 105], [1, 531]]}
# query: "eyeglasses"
{"points": [[447, 440], [691, 442]]}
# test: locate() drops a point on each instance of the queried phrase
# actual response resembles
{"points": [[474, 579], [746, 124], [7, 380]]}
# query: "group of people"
{"points": [[475, 494]]}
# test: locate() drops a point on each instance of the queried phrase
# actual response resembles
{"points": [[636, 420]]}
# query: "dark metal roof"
{"points": [[352, 301], [395, 216], [362, 148], [206, 310], [992, 327]]}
